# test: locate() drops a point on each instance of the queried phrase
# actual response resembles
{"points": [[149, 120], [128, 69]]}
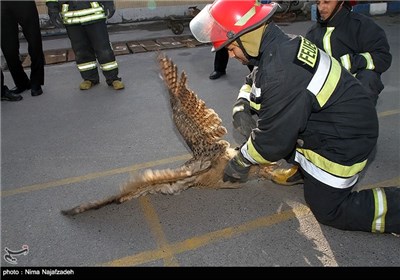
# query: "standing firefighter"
{"points": [[353, 39], [85, 23], [310, 107]]}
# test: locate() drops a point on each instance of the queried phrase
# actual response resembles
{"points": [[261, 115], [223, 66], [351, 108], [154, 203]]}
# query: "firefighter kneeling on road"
{"points": [[86, 27], [309, 106]]}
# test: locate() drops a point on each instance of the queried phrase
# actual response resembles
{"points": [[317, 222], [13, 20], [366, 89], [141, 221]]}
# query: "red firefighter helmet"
{"points": [[353, 3], [350, 3], [225, 20]]}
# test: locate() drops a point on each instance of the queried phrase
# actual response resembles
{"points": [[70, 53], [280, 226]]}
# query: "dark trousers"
{"points": [[221, 61], [3, 86], [91, 42], [25, 14], [351, 210]]}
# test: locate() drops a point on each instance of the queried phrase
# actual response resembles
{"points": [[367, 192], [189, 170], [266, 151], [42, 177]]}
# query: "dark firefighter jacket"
{"points": [[353, 39], [81, 12], [308, 102]]}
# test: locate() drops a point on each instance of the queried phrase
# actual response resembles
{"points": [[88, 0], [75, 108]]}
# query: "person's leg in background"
{"points": [[84, 56], [28, 18], [220, 63], [99, 38], [10, 46], [6, 94]]}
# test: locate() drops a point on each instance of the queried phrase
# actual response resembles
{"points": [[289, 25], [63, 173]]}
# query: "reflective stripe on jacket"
{"points": [[94, 13], [80, 12], [308, 102], [353, 39]]}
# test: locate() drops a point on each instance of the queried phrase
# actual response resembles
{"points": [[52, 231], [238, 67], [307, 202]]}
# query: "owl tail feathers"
{"points": [[167, 181], [91, 205]]}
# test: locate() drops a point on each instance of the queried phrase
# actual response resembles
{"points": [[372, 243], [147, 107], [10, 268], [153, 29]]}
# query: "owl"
{"points": [[202, 130]]}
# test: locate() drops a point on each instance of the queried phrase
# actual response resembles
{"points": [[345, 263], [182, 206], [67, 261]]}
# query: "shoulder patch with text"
{"points": [[307, 55]]}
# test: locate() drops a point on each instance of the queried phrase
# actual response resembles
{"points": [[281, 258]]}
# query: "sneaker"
{"points": [[86, 84], [286, 176], [117, 85]]}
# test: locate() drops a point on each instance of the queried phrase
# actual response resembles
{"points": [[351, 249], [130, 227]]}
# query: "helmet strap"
{"points": [[239, 42]]}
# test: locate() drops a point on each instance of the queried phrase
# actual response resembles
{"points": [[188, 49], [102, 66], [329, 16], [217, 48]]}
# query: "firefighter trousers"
{"points": [[26, 15], [90, 42], [371, 210]]}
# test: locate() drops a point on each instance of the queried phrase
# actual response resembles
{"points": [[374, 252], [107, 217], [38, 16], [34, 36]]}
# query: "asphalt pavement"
{"points": [[69, 146]]}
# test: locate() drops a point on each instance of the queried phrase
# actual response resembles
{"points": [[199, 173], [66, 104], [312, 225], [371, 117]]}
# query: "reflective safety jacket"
{"points": [[308, 104], [81, 12], [353, 39]]}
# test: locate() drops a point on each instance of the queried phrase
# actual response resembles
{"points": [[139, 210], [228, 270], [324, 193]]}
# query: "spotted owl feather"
{"points": [[199, 126]]}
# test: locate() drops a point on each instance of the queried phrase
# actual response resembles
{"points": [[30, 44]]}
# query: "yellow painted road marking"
{"points": [[226, 233], [92, 176], [388, 113], [112, 172], [155, 227], [167, 251], [211, 237]]}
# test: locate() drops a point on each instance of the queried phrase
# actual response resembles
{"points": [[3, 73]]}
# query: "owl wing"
{"points": [[200, 127]]}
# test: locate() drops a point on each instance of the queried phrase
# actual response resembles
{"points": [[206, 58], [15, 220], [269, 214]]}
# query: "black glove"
{"points": [[237, 169], [109, 8], [54, 14], [242, 118], [354, 62], [56, 20], [358, 62]]}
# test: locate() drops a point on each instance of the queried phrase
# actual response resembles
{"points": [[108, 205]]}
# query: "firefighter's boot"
{"points": [[87, 84], [286, 176]]}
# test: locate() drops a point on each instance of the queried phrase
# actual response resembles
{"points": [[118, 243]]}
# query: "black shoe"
{"points": [[36, 90], [216, 75], [7, 95], [18, 90]]}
